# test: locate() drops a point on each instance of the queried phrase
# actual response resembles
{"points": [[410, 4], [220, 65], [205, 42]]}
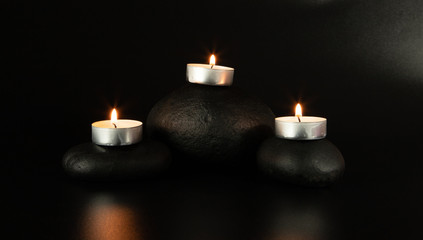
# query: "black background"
{"points": [[357, 63]]}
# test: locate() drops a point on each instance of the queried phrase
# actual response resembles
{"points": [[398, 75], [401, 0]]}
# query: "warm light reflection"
{"points": [[298, 111], [114, 116], [106, 220], [212, 60]]}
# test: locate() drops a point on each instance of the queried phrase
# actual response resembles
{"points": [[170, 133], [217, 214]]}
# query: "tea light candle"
{"points": [[210, 74], [116, 132], [300, 127]]}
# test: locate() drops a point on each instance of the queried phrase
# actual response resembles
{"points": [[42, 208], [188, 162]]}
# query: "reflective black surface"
{"points": [[379, 197]]}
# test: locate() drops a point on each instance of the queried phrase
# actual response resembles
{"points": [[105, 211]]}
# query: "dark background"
{"points": [[357, 63]]}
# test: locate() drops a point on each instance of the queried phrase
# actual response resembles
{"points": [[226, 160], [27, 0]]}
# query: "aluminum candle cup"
{"points": [[208, 74], [310, 128], [117, 133]]}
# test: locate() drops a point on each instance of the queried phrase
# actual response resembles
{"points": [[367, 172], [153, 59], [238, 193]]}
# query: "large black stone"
{"points": [[211, 126], [307, 163], [90, 161]]}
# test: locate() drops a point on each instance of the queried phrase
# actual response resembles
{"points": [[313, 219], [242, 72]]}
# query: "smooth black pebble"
{"points": [[211, 126], [90, 161], [309, 163]]}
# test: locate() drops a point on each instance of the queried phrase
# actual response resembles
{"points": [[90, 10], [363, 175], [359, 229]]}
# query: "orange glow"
{"points": [[298, 111], [104, 220], [212, 60], [114, 116]]}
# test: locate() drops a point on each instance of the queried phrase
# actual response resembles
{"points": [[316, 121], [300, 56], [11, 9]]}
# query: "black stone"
{"points": [[309, 163], [208, 126], [90, 161]]}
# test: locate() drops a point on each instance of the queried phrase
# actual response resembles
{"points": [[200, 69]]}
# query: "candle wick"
{"points": [[114, 125], [299, 119], [212, 65]]}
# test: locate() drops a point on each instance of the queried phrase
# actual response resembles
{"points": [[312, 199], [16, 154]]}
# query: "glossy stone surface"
{"points": [[90, 161], [211, 125], [308, 163]]}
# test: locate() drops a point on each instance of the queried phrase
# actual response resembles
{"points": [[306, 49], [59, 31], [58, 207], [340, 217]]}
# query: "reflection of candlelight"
{"points": [[299, 215], [106, 220]]}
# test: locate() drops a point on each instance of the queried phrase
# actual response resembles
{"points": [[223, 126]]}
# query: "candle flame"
{"points": [[114, 116], [298, 111], [212, 60]]}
